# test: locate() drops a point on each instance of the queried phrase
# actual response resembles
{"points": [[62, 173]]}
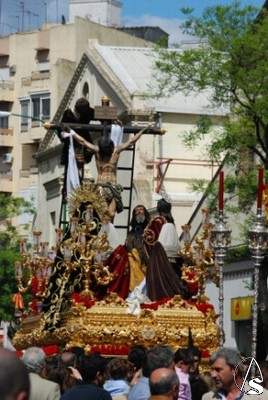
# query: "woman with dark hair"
{"points": [[168, 235], [164, 209], [162, 277]]}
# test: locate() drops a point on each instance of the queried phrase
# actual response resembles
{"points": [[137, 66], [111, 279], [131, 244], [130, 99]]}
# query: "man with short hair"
{"points": [[226, 368], [14, 379], [164, 384], [157, 357], [198, 386], [41, 389], [92, 369]]}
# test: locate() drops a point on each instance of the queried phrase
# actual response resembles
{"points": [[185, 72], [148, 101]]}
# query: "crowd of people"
{"points": [[158, 373]]}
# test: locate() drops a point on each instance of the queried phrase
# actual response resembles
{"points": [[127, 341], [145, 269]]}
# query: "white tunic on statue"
{"points": [[169, 239]]}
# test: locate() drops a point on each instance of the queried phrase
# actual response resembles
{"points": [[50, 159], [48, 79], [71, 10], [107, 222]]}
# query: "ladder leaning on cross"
{"points": [[106, 114]]}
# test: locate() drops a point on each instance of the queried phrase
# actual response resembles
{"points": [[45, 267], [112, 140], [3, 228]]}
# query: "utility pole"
{"points": [[45, 5], [22, 15], [57, 11]]}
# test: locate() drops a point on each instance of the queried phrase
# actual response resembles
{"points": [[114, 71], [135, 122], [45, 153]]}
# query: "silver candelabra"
{"points": [[257, 243], [220, 240]]}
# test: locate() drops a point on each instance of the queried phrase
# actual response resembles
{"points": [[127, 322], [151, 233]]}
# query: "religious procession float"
{"points": [[80, 291]]}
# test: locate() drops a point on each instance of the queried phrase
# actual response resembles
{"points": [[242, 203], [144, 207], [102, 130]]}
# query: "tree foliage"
{"points": [[230, 65], [11, 207], [8, 283]]}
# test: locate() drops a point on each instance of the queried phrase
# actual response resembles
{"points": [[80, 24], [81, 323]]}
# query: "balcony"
{"points": [[7, 92], [40, 75], [38, 79], [6, 182], [6, 137], [27, 172]]}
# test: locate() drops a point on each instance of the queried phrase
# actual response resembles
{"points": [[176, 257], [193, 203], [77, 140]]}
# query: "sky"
{"points": [[31, 14]]}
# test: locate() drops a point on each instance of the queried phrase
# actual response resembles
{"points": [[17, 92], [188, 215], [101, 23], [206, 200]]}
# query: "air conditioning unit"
{"points": [[7, 158], [12, 69]]}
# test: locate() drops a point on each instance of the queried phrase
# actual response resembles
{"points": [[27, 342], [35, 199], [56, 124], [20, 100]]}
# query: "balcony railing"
{"points": [[6, 137], [39, 75], [35, 76], [32, 170], [6, 182], [7, 85], [7, 92], [7, 175]]}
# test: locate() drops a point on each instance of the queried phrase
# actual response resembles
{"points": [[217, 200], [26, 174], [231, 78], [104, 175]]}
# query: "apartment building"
{"points": [[35, 70]]}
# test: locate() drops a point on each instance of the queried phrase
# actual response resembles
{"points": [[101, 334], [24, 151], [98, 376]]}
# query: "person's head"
{"points": [[224, 364], [93, 368], [140, 217], [61, 376], [78, 351], [34, 358], [118, 368], [14, 378], [83, 111], [106, 148], [164, 209], [184, 359], [194, 369], [165, 382], [49, 365], [158, 357], [136, 356], [67, 359]]}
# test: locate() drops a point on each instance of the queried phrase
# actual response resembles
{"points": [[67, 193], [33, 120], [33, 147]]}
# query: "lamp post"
{"points": [[258, 244], [220, 240]]}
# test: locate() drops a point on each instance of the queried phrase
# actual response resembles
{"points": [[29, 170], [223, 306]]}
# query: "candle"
{"points": [[221, 191], [260, 188]]}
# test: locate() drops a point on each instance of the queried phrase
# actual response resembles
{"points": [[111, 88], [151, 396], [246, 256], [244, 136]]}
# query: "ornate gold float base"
{"points": [[109, 328]]}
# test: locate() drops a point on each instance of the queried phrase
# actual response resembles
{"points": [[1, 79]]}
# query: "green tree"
{"points": [[10, 207], [8, 283], [229, 63]]}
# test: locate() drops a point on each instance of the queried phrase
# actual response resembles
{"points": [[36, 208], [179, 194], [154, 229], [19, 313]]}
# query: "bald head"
{"points": [[67, 359], [164, 381], [14, 379]]}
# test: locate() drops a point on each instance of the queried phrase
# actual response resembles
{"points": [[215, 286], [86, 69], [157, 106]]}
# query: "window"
{"points": [[45, 108], [4, 122], [25, 111], [4, 106], [37, 106], [40, 107]]}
